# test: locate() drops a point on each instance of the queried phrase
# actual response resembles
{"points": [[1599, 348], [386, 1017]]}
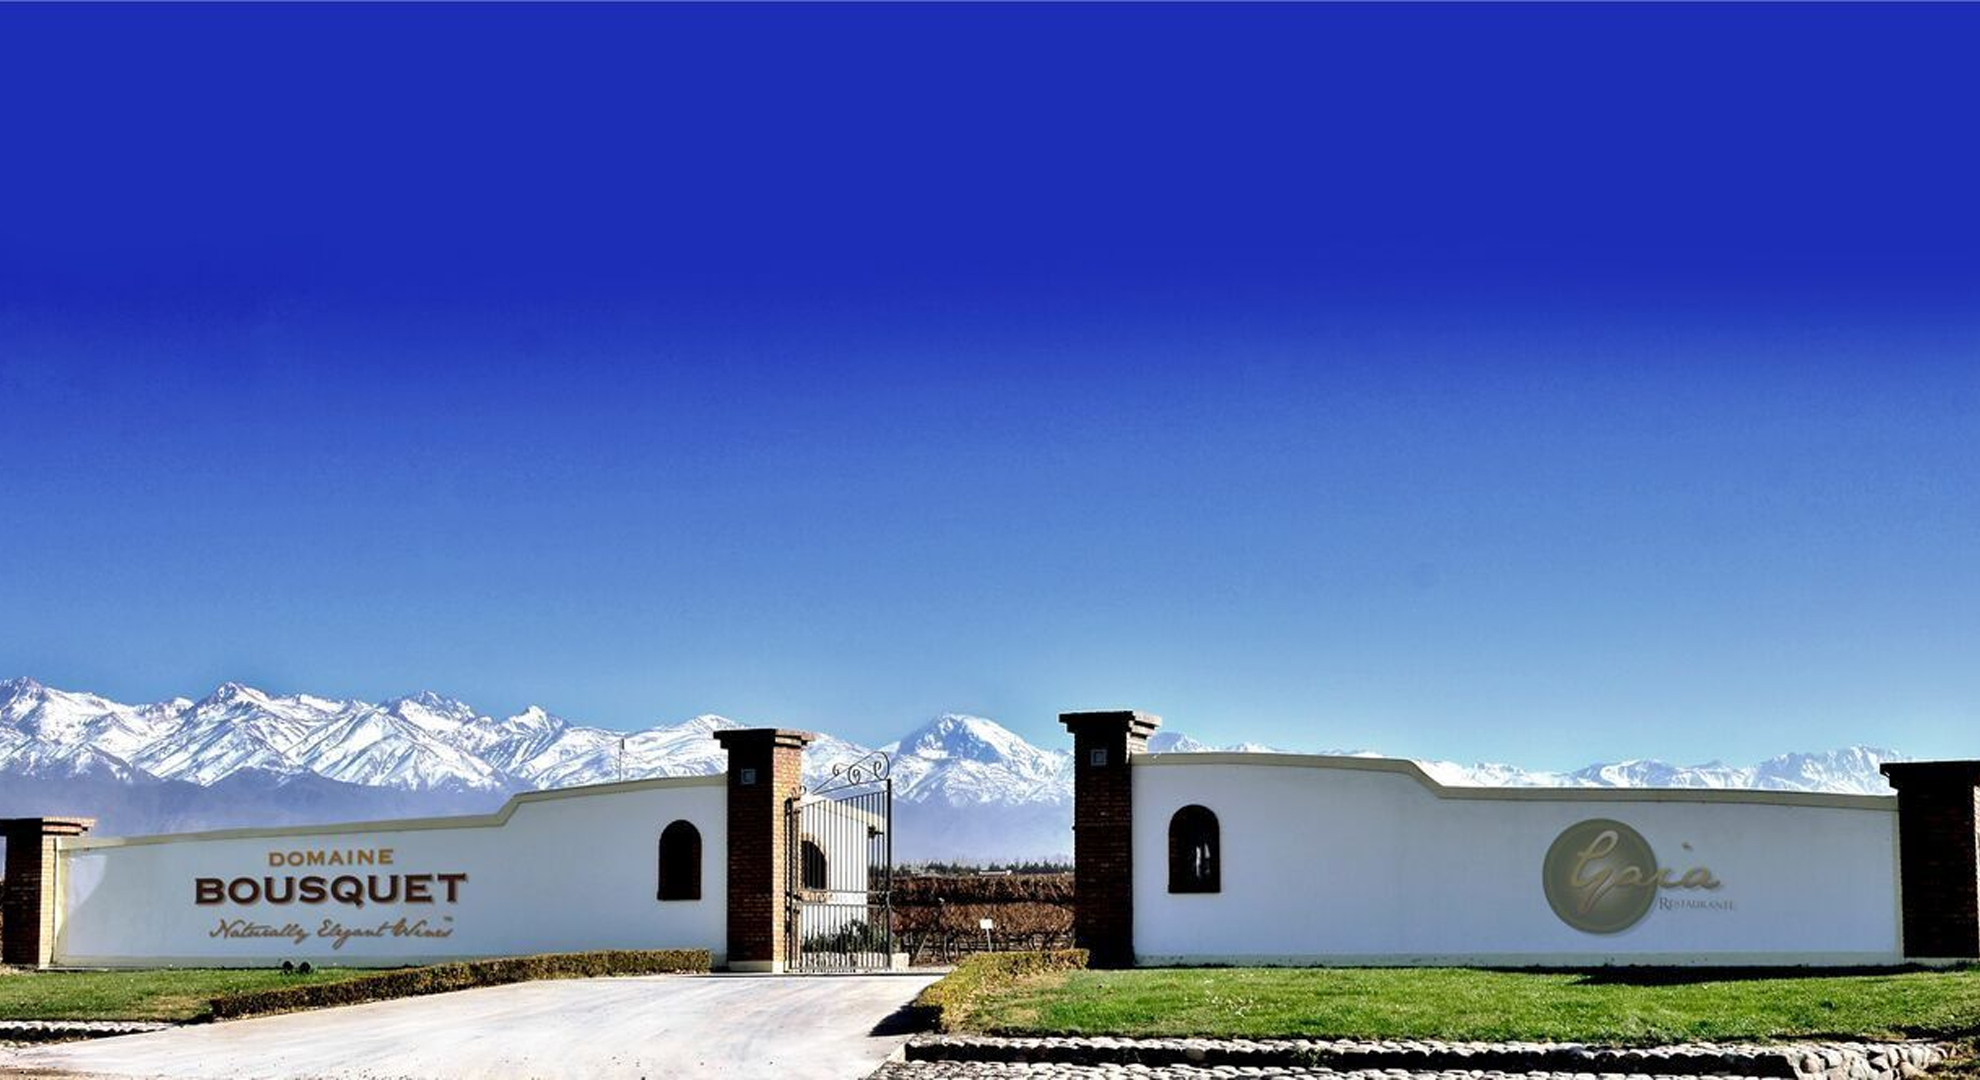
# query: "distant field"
{"points": [[175, 994], [1613, 1007]]}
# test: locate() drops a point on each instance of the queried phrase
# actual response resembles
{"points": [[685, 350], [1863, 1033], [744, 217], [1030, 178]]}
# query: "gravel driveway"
{"points": [[817, 1027]]}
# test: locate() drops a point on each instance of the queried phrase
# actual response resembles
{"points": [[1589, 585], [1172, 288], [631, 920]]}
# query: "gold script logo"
{"points": [[1601, 877]]}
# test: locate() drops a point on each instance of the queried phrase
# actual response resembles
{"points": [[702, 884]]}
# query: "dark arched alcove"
{"points": [[680, 862], [1195, 851]]}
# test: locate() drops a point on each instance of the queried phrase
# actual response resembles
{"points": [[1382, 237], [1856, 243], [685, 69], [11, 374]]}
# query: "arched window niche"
{"points": [[680, 862], [813, 870], [1195, 853]]}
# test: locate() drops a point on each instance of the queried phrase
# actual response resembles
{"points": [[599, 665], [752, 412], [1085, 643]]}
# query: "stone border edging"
{"points": [[1785, 1061], [49, 1030]]}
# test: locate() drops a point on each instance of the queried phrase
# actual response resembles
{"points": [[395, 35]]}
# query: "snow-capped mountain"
{"points": [[588, 755], [1849, 771], [1176, 742], [966, 787], [56, 733], [967, 761]]}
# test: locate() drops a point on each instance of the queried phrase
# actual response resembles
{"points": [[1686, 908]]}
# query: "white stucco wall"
{"points": [[851, 840], [1342, 860], [551, 872]]}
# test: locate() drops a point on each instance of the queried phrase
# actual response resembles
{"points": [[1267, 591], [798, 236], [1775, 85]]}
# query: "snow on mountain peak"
{"points": [[961, 760], [706, 723], [1851, 770], [958, 735], [431, 711], [1176, 742], [536, 721]]}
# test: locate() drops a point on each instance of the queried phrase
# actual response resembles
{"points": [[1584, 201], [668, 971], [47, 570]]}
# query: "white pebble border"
{"points": [[999, 1070], [1787, 1061]]}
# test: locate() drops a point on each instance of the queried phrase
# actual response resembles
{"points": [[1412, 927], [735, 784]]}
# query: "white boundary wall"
{"points": [[552, 871], [1370, 861]]}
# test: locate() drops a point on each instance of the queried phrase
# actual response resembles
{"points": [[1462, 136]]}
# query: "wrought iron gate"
{"points": [[839, 871]]}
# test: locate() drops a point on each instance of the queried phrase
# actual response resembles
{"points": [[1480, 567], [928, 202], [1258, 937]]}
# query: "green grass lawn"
{"points": [[1612, 1007], [174, 994]]}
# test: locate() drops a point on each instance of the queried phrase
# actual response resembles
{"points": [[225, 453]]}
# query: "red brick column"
{"points": [[27, 905], [1103, 830], [1939, 857], [766, 769]]}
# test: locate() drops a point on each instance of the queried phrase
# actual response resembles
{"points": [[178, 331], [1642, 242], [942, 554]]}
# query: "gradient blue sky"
{"points": [[1538, 383]]}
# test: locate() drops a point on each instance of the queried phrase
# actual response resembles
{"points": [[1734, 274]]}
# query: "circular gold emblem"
{"points": [[1600, 876]]}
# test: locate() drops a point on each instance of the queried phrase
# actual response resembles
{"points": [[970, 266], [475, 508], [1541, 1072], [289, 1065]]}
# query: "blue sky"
{"points": [[1538, 383]]}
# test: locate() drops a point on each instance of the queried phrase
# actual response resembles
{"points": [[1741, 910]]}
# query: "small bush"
{"points": [[943, 1004], [466, 975], [854, 937]]}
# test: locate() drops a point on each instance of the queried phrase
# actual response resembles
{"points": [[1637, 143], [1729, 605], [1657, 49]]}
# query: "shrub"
{"points": [[943, 1005], [466, 975], [854, 937]]}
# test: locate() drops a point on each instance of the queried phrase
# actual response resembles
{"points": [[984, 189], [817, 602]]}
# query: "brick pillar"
{"points": [[766, 769], [1938, 857], [1103, 830], [27, 905]]}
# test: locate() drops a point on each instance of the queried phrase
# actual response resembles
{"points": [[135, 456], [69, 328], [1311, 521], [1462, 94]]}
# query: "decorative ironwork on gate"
{"points": [[839, 871]]}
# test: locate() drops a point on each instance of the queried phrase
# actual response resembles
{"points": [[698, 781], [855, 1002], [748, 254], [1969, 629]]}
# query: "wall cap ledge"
{"points": [[1406, 767]]}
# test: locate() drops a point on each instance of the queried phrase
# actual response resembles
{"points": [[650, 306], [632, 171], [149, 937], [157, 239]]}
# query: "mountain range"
{"points": [[967, 788]]}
